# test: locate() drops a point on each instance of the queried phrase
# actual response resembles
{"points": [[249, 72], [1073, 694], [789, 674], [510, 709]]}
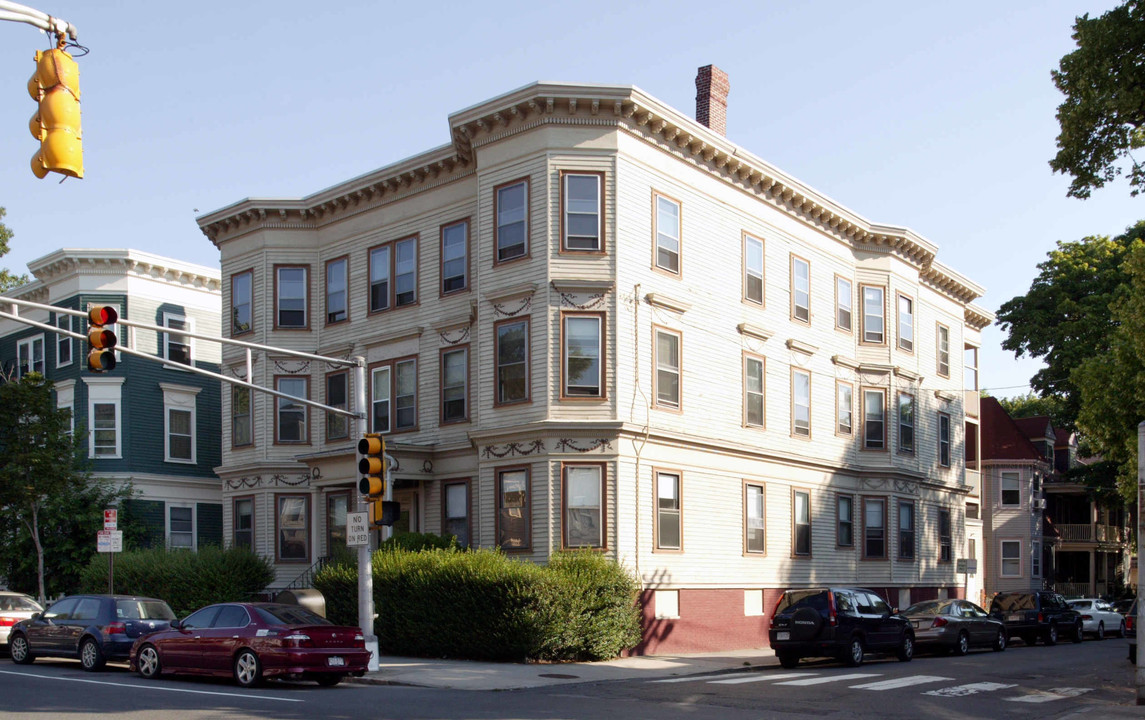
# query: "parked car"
{"points": [[93, 628], [954, 626], [14, 607], [252, 641], [845, 623], [1031, 614], [1098, 617], [1122, 606]]}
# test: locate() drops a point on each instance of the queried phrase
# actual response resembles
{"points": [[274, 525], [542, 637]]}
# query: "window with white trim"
{"points": [[177, 347], [753, 395], [800, 403], [181, 527], [63, 342], [105, 437], [874, 419], [30, 356], [1011, 489], [581, 352], [584, 506], [801, 522], [668, 511], [580, 198], [844, 408], [1011, 558], [65, 400], [752, 269], [180, 422], [800, 289], [843, 303], [754, 519], [872, 314], [667, 234], [906, 323], [667, 362], [943, 351], [393, 394]]}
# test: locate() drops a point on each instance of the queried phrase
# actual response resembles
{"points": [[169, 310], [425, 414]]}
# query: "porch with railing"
{"points": [[1093, 533]]}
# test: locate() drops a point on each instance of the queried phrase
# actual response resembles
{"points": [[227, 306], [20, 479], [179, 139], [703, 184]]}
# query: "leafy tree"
{"points": [[1112, 384], [7, 279], [1031, 405], [46, 498], [1065, 317], [1103, 114]]}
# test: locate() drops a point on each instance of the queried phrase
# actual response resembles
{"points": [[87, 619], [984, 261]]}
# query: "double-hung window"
{"points": [[176, 347], [843, 300], [393, 396], [337, 395], [104, 396], [945, 539], [337, 297], [405, 272], [906, 422], [874, 528], [906, 323], [667, 369], [455, 384], [754, 519], [454, 257], [1011, 558], [581, 352], [63, 342], [455, 510], [752, 269], [291, 298], [668, 512], [943, 439], [753, 391], [1011, 489], [970, 368], [906, 530], [241, 302], [243, 522], [584, 505], [667, 232], [943, 351], [30, 355], [511, 209], [844, 408], [801, 522], [872, 314], [292, 528], [393, 274], [581, 217], [800, 403], [800, 289], [181, 527], [513, 509], [874, 419], [179, 405], [290, 422], [512, 338], [242, 429], [845, 521]]}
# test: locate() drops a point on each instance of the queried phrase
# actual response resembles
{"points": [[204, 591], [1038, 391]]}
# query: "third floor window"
{"points": [[581, 218], [512, 213], [291, 297]]}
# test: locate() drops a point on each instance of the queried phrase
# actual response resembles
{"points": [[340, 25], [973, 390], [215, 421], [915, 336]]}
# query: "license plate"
{"points": [[335, 661], [914, 623], [1016, 617], [782, 635]]}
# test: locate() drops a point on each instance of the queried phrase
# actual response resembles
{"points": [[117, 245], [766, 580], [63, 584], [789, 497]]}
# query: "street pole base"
{"points": [[372, 646]]}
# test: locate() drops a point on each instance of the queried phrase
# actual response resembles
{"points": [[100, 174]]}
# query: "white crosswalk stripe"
{"points": [[761, 677], [1041, 696], [830, 679], [901, 682], [691, 678], [971, 689]]}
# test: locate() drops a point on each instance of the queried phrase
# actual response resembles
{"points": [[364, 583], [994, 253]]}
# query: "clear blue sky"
{"points": [[934, 116]]}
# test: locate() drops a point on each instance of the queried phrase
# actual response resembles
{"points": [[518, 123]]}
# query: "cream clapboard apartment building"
{"points": [[594, 322]]}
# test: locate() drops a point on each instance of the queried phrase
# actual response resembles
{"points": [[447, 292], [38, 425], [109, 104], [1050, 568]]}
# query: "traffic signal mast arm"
{"points": [[14, 12]]}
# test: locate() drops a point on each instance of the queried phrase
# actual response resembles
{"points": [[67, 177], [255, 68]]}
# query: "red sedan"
{"points": [[252, 641]]}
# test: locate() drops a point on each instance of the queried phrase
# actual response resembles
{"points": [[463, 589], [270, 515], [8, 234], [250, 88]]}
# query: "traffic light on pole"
{"points": [[372, 466], [101, 356], [56, 87]]}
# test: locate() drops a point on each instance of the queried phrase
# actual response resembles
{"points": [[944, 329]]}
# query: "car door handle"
{"points": [[198, 637], [234, 637]]}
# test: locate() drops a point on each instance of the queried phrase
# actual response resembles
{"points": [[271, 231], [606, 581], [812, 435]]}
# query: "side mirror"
{"points": [[176, 625], [36, 616]]}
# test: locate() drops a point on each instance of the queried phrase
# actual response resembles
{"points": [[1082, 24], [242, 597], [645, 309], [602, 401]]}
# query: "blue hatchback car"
{"points": [[93, 628]]}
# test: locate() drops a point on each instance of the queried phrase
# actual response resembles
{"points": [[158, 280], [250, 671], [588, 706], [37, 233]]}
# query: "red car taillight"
{"points": [[8, 621], [359, 640], [116, 628], [1041, 618], [1130, 622], [297, 640], [939, 622], [775, 611], [1086, 617], [831, 619]]}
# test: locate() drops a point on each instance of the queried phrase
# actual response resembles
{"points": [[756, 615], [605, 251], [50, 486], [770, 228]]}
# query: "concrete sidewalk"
{"points": [[469, 675]]}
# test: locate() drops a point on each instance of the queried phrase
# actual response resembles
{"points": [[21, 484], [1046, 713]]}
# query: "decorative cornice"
{"points": [[844, 361], [500, 295], [876, 368], [800, 346], [662, 300], [909, 375], [754, 331], [66, 262], [391, 337], [945, 395], [572, 285], [978, 317]]}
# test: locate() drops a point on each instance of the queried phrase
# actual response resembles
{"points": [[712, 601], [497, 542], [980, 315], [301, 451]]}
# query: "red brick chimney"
{"points": [[712, 88]]}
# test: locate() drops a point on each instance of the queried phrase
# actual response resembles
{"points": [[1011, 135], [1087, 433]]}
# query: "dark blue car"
{"points": [[93, 628]]}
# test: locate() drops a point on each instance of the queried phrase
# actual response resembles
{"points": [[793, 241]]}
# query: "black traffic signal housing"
{"points": [[101, 341]]}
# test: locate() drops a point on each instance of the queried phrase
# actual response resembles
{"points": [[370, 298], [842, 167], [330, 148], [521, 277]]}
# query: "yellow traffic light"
{"points": [[372, 466], [101, 356], [56, 87]]}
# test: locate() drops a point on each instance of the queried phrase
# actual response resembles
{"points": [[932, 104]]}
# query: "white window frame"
{"points": [[194, 524], [168, 339], [800, 289], [840, 387], [753, 270], [576, 477], [906, 323], [182, 398], [754, 516], [66, 399], [670, 235], [942, 339], [800, 400], [970, 367], [105, 391], [568, 390], [1002, 559], [30, 343], [841, 307], [868, 334], [754, 396], [659, 365], [381, 390], [1017, 478], [65, 322]]}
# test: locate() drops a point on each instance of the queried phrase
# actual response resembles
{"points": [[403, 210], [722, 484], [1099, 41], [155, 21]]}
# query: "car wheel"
{"points": [[329, 680], [905, 651], [787, 660], [854, 654], [1078, 635], [18, 648], [248, 670], [91, 656], [1000, 641], [1121, 630], [148, 662], [1052, 635], [963, 645], [1101, 631]]}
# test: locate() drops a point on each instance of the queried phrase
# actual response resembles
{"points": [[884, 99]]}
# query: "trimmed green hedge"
{"points": [[483, 605], [186, 580]]}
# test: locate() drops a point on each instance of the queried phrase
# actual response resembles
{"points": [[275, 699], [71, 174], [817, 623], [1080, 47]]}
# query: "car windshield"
{"points": [[15, 603], [794, 599], [289, 615], [927, 607], [143, 610]]}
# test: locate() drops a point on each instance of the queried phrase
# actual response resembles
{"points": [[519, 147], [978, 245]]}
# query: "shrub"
{"points": [[186, 580], [414, 542], [484, 605]]}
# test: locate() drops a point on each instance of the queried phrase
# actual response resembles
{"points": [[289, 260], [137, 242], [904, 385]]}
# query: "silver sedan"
{"points": [[14, 607], [954, 626], [1098, 618]]}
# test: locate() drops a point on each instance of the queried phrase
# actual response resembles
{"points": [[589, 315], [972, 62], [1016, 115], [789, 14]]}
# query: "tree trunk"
{"points": [[34, 527]]}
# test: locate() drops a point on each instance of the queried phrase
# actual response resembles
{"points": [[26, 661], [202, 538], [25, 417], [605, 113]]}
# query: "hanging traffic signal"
{"points": [[372, 466], [56, 87], [101, 356]]}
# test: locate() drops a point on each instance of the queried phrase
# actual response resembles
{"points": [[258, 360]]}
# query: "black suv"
{"points": [[1030, 614], [837, 622]]}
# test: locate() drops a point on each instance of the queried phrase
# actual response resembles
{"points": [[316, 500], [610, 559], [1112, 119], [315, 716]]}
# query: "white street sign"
{"points": [[357, 529], [109, 541], [110, 519]]}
